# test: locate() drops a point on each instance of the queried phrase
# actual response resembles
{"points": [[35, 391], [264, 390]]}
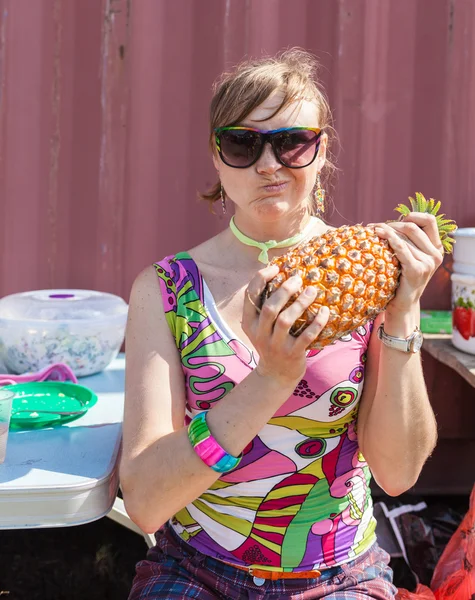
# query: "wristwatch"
{"points": [[413, 342]]}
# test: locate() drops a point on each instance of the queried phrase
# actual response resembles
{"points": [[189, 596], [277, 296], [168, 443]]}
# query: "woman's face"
{"points": [[267, 190]]}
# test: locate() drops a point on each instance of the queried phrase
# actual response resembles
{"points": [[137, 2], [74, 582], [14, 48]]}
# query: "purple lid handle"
{"points": [[61, 296]]}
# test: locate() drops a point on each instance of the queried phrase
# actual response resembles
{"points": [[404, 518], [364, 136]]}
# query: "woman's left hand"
{"points": [[419, 259]]}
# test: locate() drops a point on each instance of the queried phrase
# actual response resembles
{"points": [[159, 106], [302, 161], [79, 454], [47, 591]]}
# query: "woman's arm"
{"points": [[160, 472], [397, 430], [396, 425]]}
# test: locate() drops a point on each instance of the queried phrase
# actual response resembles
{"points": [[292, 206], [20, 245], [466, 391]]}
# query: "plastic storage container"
{"points": [[463, 312], [464, 251], [81, 328]]}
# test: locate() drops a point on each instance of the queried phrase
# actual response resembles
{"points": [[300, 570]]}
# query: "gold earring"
{"points": [[319, 195], [223, 200]]}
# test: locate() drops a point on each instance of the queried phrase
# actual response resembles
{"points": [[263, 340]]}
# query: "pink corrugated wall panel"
{"points": [[103, 121]]}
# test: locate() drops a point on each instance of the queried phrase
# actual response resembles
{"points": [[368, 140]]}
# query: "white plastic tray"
{"points": [[69, 475]]}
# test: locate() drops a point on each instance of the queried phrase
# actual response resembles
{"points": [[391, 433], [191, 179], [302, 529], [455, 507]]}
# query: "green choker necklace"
{"points": [[266, 246]]}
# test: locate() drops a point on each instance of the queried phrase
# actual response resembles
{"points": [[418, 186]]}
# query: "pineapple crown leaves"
{"points": [[445, 226]]}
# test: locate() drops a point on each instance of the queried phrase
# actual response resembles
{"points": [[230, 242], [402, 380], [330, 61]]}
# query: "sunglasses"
{"points": [[241, 147]]}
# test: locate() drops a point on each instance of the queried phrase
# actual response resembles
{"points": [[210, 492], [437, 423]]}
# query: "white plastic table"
{"points": [[63, 476]]}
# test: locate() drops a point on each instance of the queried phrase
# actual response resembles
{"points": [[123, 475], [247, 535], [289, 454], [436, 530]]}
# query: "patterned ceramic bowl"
{"points": [[81, 328], [463, 312]]}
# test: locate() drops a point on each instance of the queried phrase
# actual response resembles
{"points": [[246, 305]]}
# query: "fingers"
{"points": [[414, 244], [272, 308], [428, 223], [254, 290], [419, 237], [287, 317], [398, 245], [303, 341], [272, 324]]}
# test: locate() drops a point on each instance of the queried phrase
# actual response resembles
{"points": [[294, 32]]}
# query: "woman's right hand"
{"points": [[281, 355]]}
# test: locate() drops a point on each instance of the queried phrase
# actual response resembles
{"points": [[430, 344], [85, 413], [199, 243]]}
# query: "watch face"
{"points": [[417, 340]]}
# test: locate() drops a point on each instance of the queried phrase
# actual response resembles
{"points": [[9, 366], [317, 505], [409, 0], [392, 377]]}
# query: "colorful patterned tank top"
{"points": [[300, 497]]}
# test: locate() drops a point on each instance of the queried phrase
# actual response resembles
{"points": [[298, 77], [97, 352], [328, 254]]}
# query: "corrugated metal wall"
{"points": [[103, 120]]}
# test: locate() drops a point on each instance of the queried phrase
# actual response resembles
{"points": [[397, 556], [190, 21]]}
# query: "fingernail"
{"points": [[309, 291], [324, 311], [379, 230]]}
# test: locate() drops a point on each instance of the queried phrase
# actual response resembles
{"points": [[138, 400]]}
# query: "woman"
{"points": [[240, 446]]}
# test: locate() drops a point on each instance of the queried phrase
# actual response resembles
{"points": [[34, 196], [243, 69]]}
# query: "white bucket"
{"points": [[463, 312], [464, 251]]}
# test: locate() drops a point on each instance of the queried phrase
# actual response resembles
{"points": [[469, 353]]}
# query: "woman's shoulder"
{"points": [[145, 288], [206, 251], [164, 270]]}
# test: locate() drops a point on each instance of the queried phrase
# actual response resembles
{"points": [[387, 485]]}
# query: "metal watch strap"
{"points": [[401, 344]]}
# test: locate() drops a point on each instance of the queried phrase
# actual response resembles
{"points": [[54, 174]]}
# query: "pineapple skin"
{"points": [[355, 272]]}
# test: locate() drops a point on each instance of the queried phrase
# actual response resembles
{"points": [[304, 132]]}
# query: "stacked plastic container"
{"points": [[83, 329], [463, 290]]}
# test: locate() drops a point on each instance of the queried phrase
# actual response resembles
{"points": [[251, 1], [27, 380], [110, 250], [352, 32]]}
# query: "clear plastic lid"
{"points": [[62, 305]]}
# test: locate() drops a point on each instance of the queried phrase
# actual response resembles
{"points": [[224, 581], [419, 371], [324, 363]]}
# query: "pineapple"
{"points": [[354, 271]]}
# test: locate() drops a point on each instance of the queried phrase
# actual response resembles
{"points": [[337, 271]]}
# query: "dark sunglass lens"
{"points": [[297, 147], [239, 147]]}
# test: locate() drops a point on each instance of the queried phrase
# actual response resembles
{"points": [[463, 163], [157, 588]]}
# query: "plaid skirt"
{"points": [[174, 569]]}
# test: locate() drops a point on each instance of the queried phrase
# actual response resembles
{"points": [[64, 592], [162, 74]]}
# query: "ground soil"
{"points": [[88, 562]]}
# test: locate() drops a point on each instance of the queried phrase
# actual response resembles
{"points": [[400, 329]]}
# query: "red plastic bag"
{"points": [[454, 575], [422, 592]]}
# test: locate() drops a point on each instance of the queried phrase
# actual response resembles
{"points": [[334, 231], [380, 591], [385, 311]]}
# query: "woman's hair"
{"points": [[238, 92]]}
